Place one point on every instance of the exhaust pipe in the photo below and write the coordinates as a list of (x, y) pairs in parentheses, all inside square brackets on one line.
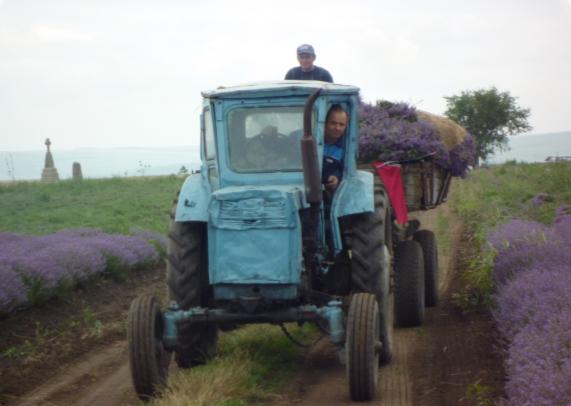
[(310, 164), (312, 181)]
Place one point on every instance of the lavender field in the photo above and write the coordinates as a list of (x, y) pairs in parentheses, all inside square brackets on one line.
[(54, 237), (35, 268), (520, 217), (532, 273)]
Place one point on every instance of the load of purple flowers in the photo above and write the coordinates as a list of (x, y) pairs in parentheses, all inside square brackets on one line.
[(532, 271), (395, 132), (33, 267)]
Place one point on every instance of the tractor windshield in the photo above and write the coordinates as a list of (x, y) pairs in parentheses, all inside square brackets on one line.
[(265, 139)]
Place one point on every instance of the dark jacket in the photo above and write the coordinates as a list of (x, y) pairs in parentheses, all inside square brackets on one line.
[(332, 161), (316, 74)]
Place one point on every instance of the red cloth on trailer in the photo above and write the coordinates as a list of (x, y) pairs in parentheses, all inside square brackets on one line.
[(392, 179)]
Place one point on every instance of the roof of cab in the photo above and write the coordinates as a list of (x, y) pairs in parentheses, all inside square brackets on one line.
[(281, 87)]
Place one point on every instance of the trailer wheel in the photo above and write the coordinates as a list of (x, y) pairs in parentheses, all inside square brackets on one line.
[(363, 343), (187, 280), (148, 359), (409, 281), (427, 241)]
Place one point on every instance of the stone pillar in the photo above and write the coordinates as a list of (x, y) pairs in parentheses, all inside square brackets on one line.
[(76, 171), (49, 173)]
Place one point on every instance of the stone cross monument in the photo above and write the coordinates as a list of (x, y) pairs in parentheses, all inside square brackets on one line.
[(49, 174)]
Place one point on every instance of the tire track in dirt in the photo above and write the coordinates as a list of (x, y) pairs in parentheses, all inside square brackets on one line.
[(79, 365), (101, 378), (323, 380)]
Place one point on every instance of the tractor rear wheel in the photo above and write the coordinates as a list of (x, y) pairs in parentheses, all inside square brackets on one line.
[(187, 280), (427, 241), (148, 359), (362, 346), (371, 264), (409, 281)]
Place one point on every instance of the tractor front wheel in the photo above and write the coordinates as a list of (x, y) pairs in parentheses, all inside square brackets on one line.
[(148, 358), (187, 280), (369, 234), (363, 346)]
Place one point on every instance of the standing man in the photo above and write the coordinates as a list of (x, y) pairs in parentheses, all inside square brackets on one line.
[(306, 69)]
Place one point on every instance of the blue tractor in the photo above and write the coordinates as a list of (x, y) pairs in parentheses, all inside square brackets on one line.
[(255, 239)]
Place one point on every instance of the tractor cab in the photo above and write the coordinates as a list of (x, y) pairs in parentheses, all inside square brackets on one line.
[(264, 228), (251, 134)]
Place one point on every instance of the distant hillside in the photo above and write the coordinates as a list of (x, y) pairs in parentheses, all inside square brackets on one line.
[(535, 148), (100, 162)]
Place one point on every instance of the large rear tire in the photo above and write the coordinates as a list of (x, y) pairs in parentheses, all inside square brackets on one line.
[(371, 265), (427, 241), (409, 281), (187, 280), (148, 359), (363, 341)]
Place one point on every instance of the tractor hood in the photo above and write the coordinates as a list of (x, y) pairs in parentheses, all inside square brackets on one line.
[(254, 238), (245, 207)]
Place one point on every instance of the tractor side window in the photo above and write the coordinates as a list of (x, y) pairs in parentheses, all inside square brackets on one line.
[(265, 139), (209, 143)]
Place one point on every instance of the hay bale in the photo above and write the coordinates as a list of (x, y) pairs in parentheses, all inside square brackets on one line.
[(451, 133)]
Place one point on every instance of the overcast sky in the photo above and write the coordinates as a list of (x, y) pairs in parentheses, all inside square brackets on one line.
[(103, 73)]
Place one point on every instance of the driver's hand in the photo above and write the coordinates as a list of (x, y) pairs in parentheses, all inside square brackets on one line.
[(332, 182)]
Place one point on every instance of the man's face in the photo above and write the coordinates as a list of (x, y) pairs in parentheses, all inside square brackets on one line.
[(335, 126), (306, 61)]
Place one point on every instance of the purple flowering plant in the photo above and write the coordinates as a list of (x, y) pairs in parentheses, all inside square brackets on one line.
[(34, 268), (462, 156), (393, 132), (532, 272)]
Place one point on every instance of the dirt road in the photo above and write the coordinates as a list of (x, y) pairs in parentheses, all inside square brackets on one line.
[(101, 378), (448, 361)]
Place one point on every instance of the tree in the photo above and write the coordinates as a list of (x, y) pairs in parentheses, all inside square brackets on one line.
[(490, 116)]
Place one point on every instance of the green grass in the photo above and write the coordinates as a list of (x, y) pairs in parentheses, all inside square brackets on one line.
[(479, 394), (114, 205), (81, 326), (492, 196), (253, 364), (443, 234)]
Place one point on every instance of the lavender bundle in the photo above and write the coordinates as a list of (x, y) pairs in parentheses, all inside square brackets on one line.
[(398, 132)]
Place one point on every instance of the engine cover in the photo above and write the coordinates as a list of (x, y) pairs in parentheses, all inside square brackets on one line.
[(254, 240)]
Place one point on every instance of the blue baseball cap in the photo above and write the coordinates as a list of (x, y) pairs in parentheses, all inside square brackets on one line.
[(305, 49)]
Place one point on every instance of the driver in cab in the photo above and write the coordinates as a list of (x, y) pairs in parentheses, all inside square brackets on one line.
[(333, 150)]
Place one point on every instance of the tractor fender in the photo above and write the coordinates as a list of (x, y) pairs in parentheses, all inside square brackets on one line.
[(193, 199), (356, 195)]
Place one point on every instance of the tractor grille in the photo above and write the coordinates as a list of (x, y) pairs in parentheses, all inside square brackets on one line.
[(255, 213)]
